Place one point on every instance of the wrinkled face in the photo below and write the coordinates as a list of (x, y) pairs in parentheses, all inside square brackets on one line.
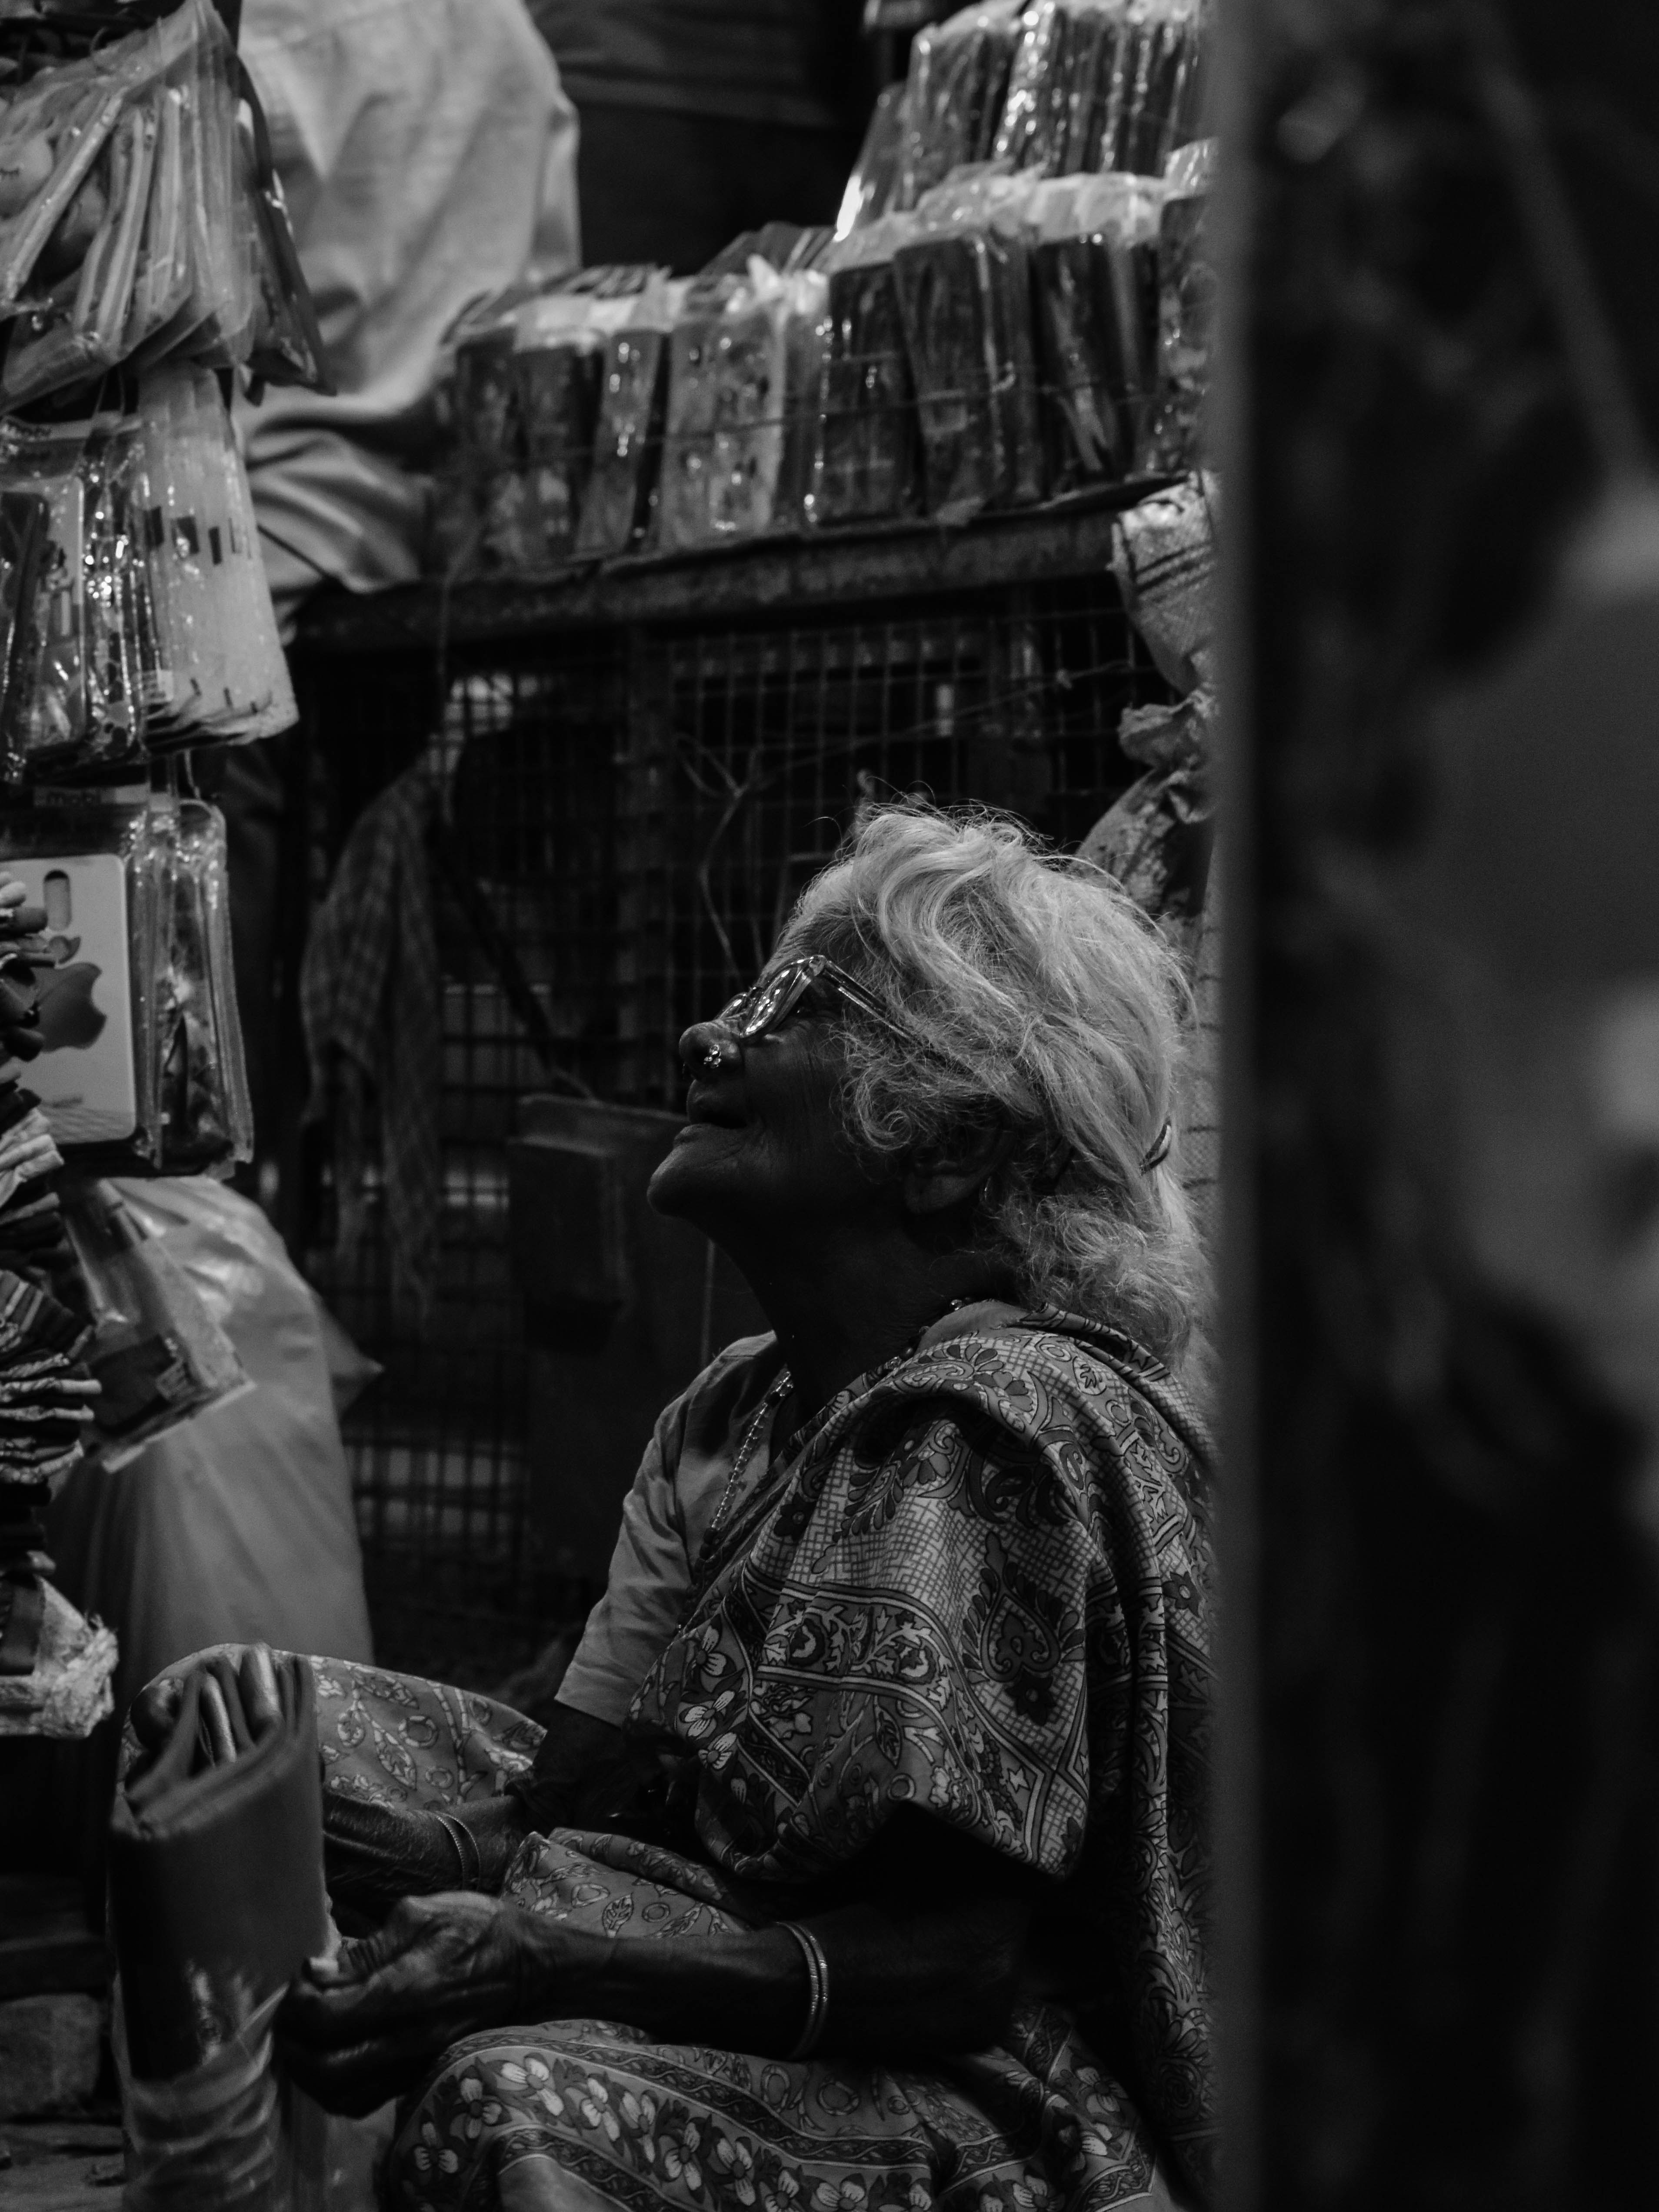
[(763, 1157)]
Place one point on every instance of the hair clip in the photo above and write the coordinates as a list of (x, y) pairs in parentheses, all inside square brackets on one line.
[(1160, 1150)]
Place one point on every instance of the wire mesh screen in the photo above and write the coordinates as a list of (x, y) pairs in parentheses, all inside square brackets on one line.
[(631, 813)]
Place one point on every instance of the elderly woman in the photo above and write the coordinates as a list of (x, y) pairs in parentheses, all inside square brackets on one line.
[(865, 1864)]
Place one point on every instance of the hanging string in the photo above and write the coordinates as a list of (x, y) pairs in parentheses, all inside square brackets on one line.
[(1588, 343)]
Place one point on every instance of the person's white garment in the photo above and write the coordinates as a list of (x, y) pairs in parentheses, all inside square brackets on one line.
[(428, 155)]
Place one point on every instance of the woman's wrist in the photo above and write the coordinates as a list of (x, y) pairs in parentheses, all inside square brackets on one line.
[(751, 1990)]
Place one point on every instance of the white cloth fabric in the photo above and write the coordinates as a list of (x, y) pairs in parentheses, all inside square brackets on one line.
[(428, 154), (675, 1497)]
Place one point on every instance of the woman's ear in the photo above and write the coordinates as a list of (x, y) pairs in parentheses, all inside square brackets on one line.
[(960, 1172)]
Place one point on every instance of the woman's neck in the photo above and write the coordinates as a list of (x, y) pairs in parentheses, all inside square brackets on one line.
[(842, 1309)]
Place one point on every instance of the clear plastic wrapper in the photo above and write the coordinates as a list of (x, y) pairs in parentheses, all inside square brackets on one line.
[(25, 536), (200, 1077), (156, 1353), (287, 341), (1187, 289), (865, 463), (953, 94), (742, 365), (524, 401), (1159, 88), (1094, 268), (1103, 84), (218, 670), (872, 189), (964, 293), (619, 510), (82, 630), (138, 221), (97, 962)]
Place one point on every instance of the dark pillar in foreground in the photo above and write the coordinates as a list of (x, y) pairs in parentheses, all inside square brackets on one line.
[(1448, 1105)]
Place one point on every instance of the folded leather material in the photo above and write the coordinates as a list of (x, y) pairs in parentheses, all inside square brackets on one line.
[(216, 1866)]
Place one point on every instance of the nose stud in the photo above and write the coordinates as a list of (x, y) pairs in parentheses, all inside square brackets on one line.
[(716, 1055)]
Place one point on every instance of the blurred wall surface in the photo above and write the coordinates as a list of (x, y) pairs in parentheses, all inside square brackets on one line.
[(1443, 980)]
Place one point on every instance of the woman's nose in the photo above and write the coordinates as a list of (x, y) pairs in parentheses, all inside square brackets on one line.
[(706, 1046)]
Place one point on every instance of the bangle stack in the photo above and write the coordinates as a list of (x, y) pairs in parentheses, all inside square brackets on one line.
[(817, 1978), (466, 1847)]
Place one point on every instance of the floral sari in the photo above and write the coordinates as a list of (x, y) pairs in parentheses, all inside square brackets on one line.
[(979, 1587)]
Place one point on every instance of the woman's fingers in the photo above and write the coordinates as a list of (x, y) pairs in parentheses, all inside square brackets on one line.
[(12, 892), (215, 1721), (260, 1699), (154, 1710)]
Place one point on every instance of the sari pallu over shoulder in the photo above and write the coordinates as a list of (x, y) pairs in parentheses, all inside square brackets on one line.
[(983, 1589)]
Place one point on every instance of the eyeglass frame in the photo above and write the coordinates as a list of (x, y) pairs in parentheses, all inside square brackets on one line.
[(792, 980), (810, 968)]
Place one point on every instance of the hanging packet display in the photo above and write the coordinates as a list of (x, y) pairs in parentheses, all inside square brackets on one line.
[(1094, 269), (82, 629), (220, 671), (25, 520), (964, 293), (865, 464), (137, 219), (200, 1081), (954, 93), (287, 343), (89, 871)]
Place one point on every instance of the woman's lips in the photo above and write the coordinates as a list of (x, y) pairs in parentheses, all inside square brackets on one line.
[(704, 1112)]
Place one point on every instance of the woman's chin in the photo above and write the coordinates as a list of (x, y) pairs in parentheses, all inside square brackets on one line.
[(688, 1176)]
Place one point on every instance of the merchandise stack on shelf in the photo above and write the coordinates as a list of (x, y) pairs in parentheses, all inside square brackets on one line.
[(987, 328), (146, 265)]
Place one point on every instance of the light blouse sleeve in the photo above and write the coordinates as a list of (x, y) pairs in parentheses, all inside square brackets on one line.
[(675, 1493)]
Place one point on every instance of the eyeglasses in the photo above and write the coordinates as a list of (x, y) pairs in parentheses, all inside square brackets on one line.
[(761, 1009)]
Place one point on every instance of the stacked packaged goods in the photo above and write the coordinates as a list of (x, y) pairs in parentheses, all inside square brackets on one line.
[(1016, 307)]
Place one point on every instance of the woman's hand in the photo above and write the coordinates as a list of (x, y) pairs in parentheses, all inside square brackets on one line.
[(363, 2026)]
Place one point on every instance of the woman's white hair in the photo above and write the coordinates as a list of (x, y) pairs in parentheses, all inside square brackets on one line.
[(1041, 1001)]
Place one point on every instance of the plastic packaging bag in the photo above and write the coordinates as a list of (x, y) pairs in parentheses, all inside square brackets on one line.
[(92, 870), (742, 362), (1185, 319), (865, 464), (201, 1078), (287, 343), (1103, 84), (551, 375), (954, 93), (138, 221), (238, 1527), (872, 189), (964, 294), (157, 1354), (80, 631), (623, 490), (1094, 266), (219, 670)]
